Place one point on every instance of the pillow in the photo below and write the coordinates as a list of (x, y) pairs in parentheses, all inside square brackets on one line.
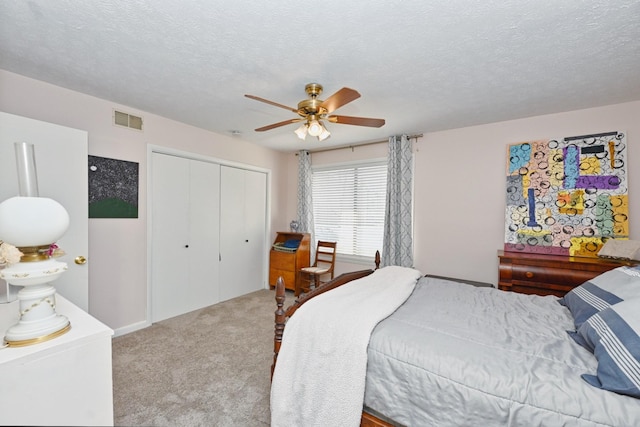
[(602, 291), (614, 336), (620, 249)]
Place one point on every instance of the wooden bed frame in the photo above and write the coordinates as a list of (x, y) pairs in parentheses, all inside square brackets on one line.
[(282, 314)]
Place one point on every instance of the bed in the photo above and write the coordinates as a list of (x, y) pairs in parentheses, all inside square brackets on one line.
[(453, 354)]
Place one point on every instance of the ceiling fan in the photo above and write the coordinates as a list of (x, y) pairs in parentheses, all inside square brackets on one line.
[(314, 111)]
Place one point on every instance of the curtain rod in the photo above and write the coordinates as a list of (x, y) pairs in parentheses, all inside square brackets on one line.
[(358, 145)]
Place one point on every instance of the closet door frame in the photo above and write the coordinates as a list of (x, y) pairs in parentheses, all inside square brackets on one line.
[(195, 156)]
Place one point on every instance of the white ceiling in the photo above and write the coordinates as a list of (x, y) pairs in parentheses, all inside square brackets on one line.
[(423, 65)]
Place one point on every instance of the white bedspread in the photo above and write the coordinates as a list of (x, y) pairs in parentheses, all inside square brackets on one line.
[(319, 378)]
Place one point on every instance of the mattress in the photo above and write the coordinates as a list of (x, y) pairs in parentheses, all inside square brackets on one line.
[(455, 355)]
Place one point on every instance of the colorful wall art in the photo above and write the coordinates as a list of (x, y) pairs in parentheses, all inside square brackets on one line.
[(113, 188), (566, 196)]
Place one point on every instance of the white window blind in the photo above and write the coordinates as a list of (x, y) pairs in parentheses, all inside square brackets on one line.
[(349, 207)]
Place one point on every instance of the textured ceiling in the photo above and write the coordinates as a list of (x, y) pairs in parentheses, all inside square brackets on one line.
[(421, 65)]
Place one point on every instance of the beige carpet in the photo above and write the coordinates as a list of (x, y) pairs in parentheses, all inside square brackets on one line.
[(210, 367)]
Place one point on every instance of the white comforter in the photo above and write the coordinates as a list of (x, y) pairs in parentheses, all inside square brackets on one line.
[(457, 355), (319, 378)]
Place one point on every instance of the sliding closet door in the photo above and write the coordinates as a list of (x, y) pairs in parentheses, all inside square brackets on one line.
[(204, 233), (185, 218), (242, 231)]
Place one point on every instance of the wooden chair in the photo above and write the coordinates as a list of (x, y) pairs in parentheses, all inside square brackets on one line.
[(323, 265)]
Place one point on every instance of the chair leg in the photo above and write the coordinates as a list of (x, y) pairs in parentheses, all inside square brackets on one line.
[(298, 283), (303, 284)]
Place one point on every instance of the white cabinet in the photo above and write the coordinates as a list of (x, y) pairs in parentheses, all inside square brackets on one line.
[(64, 381), (185, 235), (243, 201)]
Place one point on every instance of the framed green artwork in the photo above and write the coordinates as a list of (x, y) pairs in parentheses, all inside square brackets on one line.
[(113, 188)]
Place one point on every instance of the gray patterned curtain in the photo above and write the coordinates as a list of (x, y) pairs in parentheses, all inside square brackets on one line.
[(397, 244), (305, 201)]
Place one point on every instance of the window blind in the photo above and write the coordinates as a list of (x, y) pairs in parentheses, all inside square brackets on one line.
[(349, 207)]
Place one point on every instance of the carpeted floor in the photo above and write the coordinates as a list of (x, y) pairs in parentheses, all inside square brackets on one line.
[(210, 367)]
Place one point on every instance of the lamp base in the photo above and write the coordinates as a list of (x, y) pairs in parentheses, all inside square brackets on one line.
[(38, 320), (17, 334)]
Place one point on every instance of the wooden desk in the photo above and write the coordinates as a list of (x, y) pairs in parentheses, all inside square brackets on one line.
[(287, 264)]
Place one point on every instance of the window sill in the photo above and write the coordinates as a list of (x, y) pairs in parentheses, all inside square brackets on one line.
[(368, 261)]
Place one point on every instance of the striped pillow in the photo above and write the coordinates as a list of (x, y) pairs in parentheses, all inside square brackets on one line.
[(601, 292), (614, 337)]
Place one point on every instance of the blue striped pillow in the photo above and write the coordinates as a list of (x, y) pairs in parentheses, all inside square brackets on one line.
[(601, 292), (614, 337)]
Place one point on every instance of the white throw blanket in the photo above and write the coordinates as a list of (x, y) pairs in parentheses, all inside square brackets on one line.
[(319, 378)]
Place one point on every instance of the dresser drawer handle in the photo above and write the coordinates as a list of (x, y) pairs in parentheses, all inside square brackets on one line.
[(528, 274)]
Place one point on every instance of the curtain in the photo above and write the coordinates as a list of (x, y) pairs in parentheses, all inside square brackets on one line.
[(397, 242), (305, 201)]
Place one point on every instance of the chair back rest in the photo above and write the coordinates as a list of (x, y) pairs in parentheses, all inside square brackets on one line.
[(325, 255)]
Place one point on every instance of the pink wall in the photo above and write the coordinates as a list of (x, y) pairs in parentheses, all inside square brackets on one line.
[(118, 247), (460, 185)]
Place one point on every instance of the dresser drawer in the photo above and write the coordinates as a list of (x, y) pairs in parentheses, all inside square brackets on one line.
[(537, 288), (282, 260), (288, 276), (559, 276)]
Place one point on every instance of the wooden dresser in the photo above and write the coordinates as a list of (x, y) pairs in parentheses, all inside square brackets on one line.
[(287, 264), (549, 274)]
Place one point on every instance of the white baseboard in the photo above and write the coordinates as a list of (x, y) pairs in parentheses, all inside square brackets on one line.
[(131, 328)]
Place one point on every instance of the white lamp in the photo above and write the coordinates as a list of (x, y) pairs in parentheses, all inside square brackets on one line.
[(33, 224)]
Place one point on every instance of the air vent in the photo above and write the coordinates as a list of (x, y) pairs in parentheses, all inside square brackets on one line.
[(127, 120)]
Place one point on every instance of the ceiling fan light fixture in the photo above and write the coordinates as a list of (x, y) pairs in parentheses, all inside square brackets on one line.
[(302, 131), (314, 111), (315, 128), (324, 135)]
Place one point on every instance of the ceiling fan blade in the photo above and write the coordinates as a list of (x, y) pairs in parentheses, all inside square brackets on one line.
[(358, 121), (277, 125), (257, 98), (340, 98)]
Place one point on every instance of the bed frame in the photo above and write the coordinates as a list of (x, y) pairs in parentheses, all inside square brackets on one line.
[(282, 314)]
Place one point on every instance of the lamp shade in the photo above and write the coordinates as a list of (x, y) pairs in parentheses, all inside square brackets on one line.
[(324, 135), (302, 131), (32, 221), (315, 128)]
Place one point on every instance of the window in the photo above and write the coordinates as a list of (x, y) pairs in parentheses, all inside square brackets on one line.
[(349, 207)]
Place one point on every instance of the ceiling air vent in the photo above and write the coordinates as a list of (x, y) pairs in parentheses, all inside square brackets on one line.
[(127, 120)]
